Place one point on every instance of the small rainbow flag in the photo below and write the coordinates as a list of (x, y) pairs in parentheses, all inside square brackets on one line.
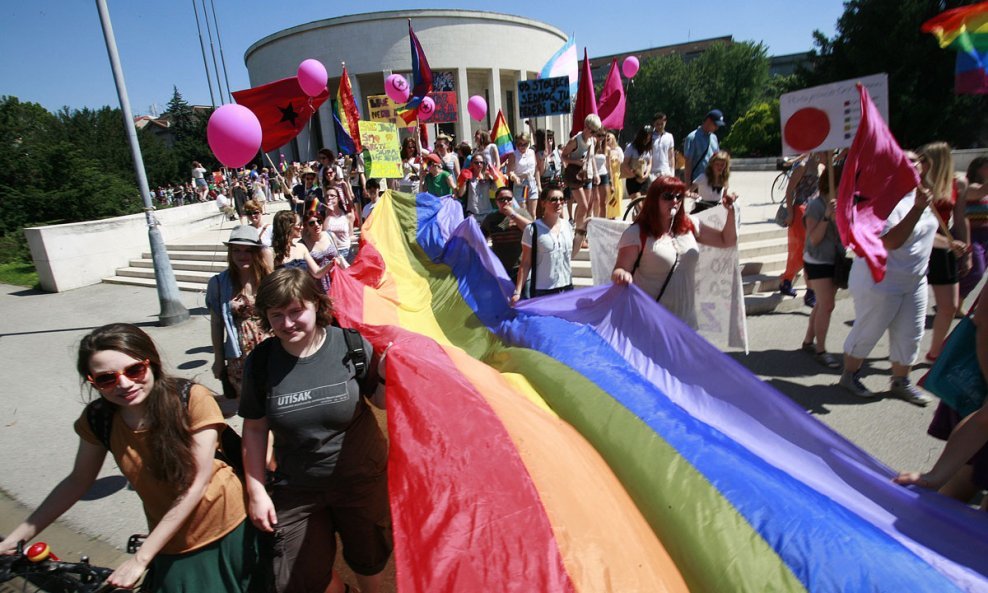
[(965, 30), (501, 136)]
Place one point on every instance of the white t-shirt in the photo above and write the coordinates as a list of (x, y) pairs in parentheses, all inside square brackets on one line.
[(198, 173), (524, 164), (266, 232), (368, 208), (656, 261), (552, 258), (906, 266), (707, 191), (660, 155), (338, 228)]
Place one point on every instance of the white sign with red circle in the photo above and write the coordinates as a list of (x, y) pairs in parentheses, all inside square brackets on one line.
[(826, 117)]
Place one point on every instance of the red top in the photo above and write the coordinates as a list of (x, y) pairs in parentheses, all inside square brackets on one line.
[(946, 207)]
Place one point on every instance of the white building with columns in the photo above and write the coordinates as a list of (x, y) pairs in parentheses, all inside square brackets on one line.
[(487, 53)]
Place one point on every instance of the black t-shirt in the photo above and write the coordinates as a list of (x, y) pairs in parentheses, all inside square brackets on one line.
[(505, 239), (323, 429)]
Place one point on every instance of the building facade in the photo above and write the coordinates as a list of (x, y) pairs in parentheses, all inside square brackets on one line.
[(476, 52)]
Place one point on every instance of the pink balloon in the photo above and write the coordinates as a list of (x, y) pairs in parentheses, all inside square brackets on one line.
[(312, 77), (396, 87), (630, 67), (426, 109), (234, 134), (477, 107)]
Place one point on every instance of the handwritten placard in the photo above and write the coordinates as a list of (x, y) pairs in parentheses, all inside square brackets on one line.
[(826, 117), (382, 151), (544, 96), (446, 109)]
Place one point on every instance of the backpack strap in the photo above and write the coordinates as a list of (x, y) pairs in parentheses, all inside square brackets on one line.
[(99, 415), (355, 352), (535, 259)]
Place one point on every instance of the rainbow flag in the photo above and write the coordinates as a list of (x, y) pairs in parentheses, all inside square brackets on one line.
[(501, 136), (591, 442), (421, 79), (965, 30), (348, 117)]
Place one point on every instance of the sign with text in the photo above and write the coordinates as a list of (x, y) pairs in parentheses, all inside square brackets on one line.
[(544, 96), (826, 117), (382, 151), (382, 109), (446, 109)]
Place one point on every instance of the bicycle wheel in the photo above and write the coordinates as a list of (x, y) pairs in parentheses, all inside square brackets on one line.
[(779, 186), (633, 209)]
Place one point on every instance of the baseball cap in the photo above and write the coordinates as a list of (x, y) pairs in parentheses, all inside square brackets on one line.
[(717, 116)]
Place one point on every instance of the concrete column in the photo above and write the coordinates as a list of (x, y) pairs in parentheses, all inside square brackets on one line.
[(462, 96), (495, 94), (358, 96), (327, 127), (522, 75)]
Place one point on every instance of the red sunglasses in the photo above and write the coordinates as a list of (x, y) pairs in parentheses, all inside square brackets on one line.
[(134, 372)]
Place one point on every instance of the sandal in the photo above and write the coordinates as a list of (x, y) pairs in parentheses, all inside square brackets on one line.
[(827, 359), (809, 348)]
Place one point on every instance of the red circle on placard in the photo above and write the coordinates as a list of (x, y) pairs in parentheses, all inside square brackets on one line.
[(807, 129)]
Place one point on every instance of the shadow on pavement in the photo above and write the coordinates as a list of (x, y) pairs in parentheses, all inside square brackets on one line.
[(28, 292), (816, 398), (72, 329), (104, 487), (192, 364)]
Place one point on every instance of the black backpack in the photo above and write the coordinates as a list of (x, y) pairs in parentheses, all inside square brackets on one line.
[(99, 414)]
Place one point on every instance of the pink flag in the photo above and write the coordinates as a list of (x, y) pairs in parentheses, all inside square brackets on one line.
[(876, 176), (586, 100), (610, 108)]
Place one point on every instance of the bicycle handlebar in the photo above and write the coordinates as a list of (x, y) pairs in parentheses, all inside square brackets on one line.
[(38, 566)]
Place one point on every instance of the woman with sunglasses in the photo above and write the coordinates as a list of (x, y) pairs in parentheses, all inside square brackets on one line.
[(235, 328), (289, 251), (318, 242), (444, 149), (339, 224), (552, 237), (308, 388), (165, 446), (660, 250)]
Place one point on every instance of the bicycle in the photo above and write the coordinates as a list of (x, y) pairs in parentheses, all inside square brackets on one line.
[(781, 182), (39, 568), (631, 212)]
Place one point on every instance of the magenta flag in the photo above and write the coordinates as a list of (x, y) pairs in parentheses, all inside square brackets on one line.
[(877, 174), (586, 99), (610, 108)]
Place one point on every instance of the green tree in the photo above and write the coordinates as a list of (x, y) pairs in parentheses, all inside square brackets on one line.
[(884, 36), (757, 132)]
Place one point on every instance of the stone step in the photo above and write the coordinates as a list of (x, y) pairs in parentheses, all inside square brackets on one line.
[(180, 275), (184, 255), (214, 267), (581, 269), (149, 282), (748, 250)]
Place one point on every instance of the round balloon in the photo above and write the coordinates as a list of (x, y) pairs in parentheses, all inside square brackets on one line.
[(234, 135), (630, 67), (396, 87), (477, 107), (426, 108), (312, 77)]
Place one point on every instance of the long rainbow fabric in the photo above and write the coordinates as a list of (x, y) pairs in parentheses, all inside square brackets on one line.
[(965, 30), (591, 442)]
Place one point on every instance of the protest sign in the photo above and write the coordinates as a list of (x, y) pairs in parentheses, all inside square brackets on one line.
[(446, 109), (544, 96), (382, 109), (826, 117), (382, 151)]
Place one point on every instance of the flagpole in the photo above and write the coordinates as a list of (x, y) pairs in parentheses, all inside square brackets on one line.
[(172, 309)]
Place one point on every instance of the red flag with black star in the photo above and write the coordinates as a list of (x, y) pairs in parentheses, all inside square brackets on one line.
[(282, 108)]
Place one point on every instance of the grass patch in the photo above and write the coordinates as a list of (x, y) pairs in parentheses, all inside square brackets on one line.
[(19, 274)]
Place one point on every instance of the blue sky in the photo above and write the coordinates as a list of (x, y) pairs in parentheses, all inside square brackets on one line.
[(54, 52)]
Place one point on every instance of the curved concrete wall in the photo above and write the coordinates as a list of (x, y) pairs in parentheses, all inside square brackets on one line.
[(487, 52)]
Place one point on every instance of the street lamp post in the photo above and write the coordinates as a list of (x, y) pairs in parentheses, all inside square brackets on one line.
[(172, 309)]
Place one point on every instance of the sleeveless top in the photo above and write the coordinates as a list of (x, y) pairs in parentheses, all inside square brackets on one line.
[(946, 207), (524, 164)]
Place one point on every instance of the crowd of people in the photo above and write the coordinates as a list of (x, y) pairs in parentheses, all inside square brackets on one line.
[(313, 455)]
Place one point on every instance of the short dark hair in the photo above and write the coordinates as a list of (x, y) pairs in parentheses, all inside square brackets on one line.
[(504, 189), (551, 187), (659, 115), (287, 285), (373, 183)]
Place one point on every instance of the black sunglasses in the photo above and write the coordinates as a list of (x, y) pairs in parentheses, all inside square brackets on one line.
[(672, 197), (504, 200), (313, 222)]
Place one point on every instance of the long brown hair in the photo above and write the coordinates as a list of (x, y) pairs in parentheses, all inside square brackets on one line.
[(258, 268), (649, 217), (169, 436), (281, 235)]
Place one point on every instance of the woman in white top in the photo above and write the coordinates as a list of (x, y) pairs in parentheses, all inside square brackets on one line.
[(581, 174), (339, 226), (553, 250), (523, 172), (548, 161), (711, 185), (659, 252), (482, 143)]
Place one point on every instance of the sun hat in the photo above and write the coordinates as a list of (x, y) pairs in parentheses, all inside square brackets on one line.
[(244, 234)]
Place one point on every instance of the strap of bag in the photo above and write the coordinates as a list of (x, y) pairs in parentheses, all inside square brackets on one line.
[(668, 277), (355, 351), (535, 254), (641, 250)]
